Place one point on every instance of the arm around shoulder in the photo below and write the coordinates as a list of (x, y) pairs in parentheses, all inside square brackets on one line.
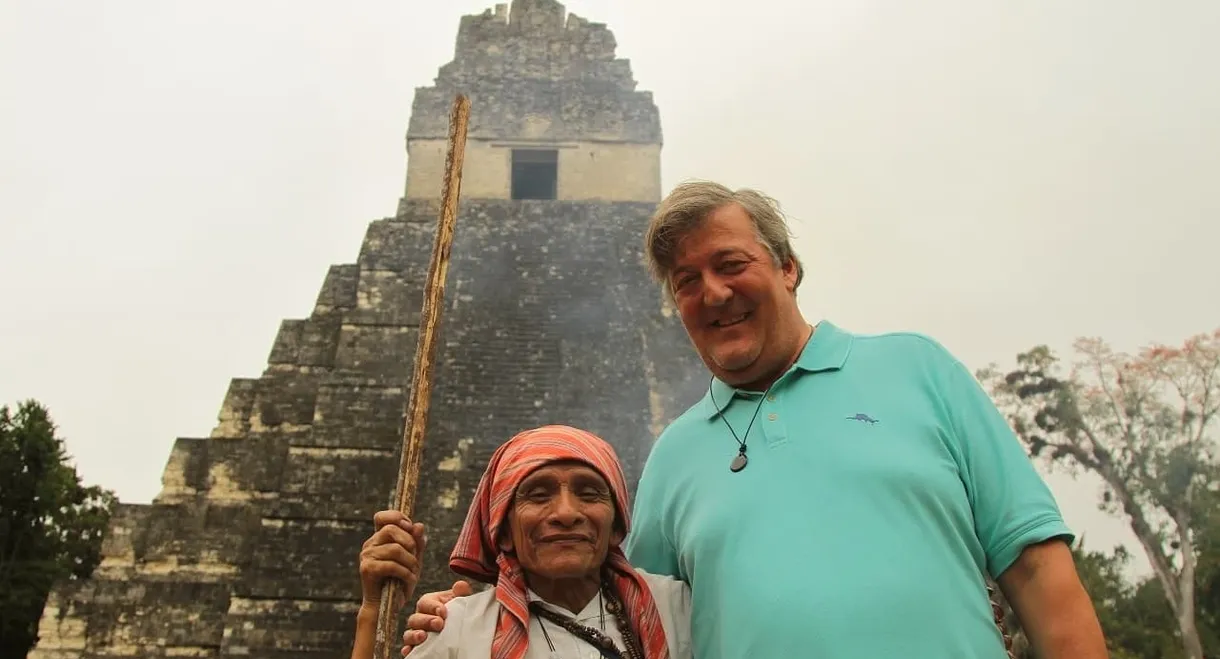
[(648, 546), (447, 643)]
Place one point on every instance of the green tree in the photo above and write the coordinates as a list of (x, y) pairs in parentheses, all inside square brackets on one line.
[(1136, 621), (1134, 617), (1207, 590), (1146, 425), (51, 525)]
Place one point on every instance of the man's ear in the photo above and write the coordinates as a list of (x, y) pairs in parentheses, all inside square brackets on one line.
[(791, 271), (505, 542)]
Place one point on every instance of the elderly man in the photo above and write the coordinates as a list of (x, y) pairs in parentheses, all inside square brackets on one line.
[(833, 495), (544, 527)]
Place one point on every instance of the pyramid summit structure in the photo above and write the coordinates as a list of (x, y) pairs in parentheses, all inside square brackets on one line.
[(250, 548)]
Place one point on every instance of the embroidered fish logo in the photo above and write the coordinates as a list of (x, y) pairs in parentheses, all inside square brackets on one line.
[(864, 418)]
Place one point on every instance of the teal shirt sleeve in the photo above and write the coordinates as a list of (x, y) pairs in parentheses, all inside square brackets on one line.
[(648, 546), (1013, 506)]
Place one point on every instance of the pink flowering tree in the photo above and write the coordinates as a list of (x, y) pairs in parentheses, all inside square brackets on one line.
[(1147, 425)]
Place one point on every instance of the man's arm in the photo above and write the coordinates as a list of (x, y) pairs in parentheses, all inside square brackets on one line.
[(648, 546), (430, 614), (1045, 592), (391, 553), (1018, 522), (366, 633)]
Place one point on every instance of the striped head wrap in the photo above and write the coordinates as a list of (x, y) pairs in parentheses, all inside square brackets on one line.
[(477, 554)]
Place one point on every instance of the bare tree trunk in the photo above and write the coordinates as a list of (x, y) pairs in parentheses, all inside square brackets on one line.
[(1147, 538), (1179, 588), (1186, 586), (1190, 637)]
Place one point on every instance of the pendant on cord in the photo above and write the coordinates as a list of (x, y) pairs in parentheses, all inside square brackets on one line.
[(739, 462)]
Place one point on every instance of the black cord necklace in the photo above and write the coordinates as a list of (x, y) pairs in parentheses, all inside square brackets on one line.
[(741, 460)]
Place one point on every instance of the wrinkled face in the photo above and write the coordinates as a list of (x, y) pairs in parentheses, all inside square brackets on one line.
[(561, 522), (738, 306)]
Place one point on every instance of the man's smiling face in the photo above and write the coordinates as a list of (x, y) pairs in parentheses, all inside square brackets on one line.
[(735, 302), (561, 523)]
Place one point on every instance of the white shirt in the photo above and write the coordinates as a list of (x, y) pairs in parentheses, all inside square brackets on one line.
[(471, 625)]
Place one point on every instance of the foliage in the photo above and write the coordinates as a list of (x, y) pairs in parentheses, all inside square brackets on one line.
[(51, 525), (1135, 618), (1146, 425)]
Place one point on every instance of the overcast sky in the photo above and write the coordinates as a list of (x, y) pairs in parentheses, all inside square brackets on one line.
[(176, 177)]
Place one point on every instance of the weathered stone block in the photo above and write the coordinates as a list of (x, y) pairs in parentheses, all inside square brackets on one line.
[(310, 343), (338, 290), (205, 538), (185, 472), (332, 475), (357, 416), (402, 245), (234, 417), (63, 629), (308, 507), (384, 353), (387, 297), (118, 548), (576, 113), (147, 618), (287, 342), (283, 629), (284, 402), (305, 559), (244, 469)]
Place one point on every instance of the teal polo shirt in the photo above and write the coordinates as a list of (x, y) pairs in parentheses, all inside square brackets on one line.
[(882, 485)]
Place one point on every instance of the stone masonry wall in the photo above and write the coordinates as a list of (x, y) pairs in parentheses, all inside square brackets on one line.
[(529, 61), (251, 547), (539, 77)]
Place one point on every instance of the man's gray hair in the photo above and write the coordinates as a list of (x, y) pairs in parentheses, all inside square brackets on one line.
[(691, 202)]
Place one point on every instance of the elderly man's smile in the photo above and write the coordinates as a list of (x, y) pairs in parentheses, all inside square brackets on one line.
[(566, 539)]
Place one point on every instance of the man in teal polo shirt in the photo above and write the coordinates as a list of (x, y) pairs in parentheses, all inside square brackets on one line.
[(833, 495), (881, 485)]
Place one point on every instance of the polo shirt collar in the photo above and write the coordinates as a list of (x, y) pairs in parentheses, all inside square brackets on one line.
[(827, 350)]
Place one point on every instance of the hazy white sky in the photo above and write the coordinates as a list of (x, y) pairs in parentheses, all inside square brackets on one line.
[(175, 177)]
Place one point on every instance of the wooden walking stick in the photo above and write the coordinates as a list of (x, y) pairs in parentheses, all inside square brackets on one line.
[(416, 419)]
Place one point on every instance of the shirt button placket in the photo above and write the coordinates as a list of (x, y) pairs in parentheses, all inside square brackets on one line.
[(773, 430)]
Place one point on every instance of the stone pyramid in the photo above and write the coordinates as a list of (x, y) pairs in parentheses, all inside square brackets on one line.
[(251, 547)]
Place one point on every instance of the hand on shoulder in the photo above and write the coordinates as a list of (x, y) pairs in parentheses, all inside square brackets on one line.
[(430, 615)]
